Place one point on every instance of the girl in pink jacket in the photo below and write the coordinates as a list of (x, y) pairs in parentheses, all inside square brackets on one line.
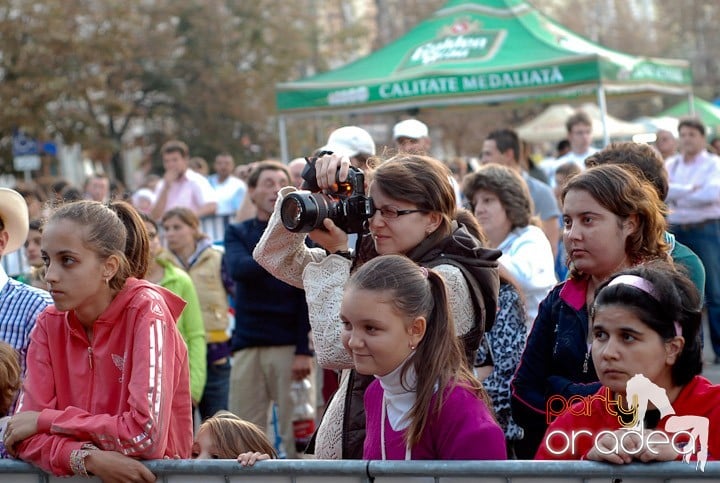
[(107, 371)]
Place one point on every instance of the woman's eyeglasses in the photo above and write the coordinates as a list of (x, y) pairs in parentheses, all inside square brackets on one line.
[(389, 213)]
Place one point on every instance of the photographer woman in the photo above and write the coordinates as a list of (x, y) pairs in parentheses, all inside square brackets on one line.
[(415, 215)]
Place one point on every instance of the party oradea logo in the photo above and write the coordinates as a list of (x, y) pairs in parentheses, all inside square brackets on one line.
[(687, 435)]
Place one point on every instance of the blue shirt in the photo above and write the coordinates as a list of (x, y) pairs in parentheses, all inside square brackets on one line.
[(20, 306)]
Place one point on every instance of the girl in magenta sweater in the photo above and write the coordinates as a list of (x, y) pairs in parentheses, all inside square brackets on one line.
[(425, 403)]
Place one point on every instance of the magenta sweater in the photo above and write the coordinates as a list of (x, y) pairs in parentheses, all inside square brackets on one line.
[(464, 430)]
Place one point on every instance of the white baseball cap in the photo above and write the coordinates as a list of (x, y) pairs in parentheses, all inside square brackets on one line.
[(410, 128), (14, 215), (350, 141)]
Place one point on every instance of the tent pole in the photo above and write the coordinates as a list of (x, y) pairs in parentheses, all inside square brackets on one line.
[(691, 102), (602, 103), (282, 128)]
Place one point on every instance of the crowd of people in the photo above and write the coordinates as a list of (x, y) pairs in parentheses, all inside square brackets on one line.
[(471, 314)]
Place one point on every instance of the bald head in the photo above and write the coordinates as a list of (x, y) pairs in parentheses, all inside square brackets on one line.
[(666, 143), (296, 167)]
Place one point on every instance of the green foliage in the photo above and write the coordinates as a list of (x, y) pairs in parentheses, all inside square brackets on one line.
[(200, 70)]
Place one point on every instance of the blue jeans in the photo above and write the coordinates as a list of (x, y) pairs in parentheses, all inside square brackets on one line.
[(703, 239), (217, 389)]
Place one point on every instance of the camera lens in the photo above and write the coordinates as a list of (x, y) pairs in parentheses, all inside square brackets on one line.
[(303, 212)]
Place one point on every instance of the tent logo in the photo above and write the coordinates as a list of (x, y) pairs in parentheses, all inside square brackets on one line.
[(460, 41)]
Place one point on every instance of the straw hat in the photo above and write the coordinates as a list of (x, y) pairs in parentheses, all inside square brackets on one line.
[(14, 215)]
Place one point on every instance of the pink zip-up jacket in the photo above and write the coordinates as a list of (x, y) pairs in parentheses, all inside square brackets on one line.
[(127, 391)]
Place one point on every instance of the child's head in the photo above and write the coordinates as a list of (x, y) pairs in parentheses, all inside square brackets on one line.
[(225, 436), (9, 376), (32, 244), (646, 320), (395, 310), (153, 235), (88, 245)]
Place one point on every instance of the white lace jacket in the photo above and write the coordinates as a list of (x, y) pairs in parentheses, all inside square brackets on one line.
[(285, 255)]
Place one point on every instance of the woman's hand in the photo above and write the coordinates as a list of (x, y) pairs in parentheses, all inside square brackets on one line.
[(249, 458), (332, 238), (326, 170), (21, 425), (657, 449), (608, 449), (111, 467)]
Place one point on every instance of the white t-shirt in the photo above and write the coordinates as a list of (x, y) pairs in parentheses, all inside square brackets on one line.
[(528, 257)]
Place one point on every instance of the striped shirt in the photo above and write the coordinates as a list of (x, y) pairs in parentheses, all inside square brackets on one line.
[(20, 306)]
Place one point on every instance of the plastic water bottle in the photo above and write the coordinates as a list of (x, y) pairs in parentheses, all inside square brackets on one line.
[(303, 413)]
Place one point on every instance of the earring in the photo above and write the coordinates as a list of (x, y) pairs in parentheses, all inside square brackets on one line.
[(412, 347)]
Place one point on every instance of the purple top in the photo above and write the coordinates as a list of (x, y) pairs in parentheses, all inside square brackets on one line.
[(464, 430)]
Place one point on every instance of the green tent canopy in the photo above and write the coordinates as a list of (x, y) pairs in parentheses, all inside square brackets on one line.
[(707, 112), (475, 52), (496, 49)]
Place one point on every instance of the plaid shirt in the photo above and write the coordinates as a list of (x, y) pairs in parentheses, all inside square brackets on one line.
[(20, 306)]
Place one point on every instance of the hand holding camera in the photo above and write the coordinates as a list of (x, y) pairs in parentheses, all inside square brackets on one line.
[(337, 192), (331, 169)]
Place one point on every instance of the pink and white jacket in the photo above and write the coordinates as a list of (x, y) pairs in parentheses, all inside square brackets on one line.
[(127, 391)]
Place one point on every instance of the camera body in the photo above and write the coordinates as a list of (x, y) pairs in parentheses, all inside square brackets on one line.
[(346, 204)]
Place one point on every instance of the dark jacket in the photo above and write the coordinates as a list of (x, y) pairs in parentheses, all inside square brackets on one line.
[(556, 360), (268, 312)]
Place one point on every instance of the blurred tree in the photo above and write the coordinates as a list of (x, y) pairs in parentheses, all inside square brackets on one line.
[(101, 72), (201, 70)]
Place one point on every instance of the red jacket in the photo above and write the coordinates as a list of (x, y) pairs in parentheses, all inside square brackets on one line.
[(699, 397), (127, 391)]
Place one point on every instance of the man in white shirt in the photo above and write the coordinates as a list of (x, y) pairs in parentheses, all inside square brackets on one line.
[(579, 129), (182, 186), (230, 189), (694, 202)]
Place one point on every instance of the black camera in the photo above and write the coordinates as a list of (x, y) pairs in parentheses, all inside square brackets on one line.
[(345, 204)]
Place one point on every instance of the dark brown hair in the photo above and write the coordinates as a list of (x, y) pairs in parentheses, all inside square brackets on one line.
[(508, 186), (506, 139), (692, 122), (111, 229), (646, 161), (422, 181), (175, 146), (674, 299), (439, 359), (624, 194)]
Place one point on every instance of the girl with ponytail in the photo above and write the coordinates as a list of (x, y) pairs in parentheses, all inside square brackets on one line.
[(107, 378), (425, 403)]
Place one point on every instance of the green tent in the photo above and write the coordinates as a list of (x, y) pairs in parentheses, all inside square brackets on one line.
[(708, 113), (474, 52)]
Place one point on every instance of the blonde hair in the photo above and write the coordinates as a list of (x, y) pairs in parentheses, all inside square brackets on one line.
[(232, 435), (9, 376)]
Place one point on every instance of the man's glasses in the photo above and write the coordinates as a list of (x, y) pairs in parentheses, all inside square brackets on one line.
[(390, 213)]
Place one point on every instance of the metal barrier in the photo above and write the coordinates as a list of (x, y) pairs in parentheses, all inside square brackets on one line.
[(312, 471)]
